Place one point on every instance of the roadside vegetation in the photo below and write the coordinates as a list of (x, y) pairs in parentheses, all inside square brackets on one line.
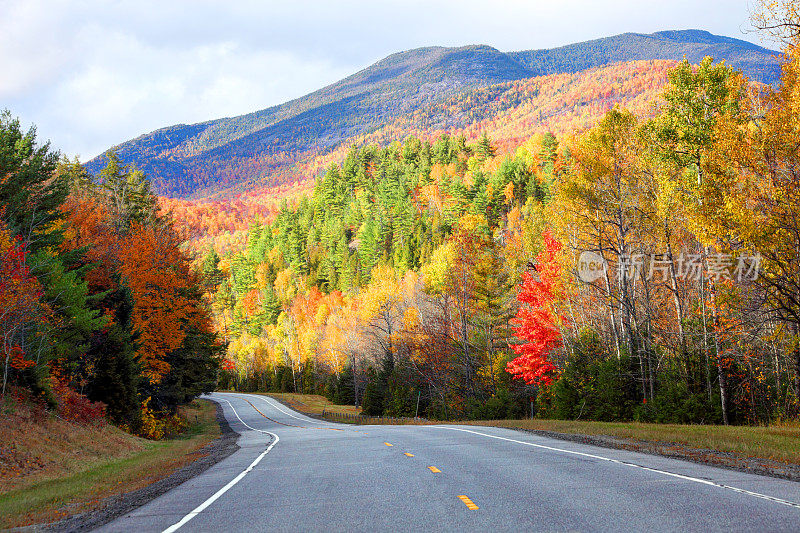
[(104, 333), (101, 312), (52, 468)]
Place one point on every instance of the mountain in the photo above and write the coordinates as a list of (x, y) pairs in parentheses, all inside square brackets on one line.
[(758, 63), (511, 113), (272, 147)]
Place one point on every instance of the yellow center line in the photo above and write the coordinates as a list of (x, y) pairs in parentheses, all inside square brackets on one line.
[(272, 419), (471, 506), (434, 470), (386, 443), (409, 454)]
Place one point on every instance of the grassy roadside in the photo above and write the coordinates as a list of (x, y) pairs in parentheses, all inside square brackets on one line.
[(777, 443), (128, 463)]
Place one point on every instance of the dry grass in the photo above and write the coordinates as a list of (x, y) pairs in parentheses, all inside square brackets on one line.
[(36, 446), (67, 469), (779, 442)]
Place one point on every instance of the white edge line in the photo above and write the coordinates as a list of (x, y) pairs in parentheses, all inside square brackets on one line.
[(199, 509), (274, 404), (626, 463)]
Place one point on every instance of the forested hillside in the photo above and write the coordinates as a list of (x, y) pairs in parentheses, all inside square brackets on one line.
[(440, 271), (257, 149), (510, 112), (229, 156)]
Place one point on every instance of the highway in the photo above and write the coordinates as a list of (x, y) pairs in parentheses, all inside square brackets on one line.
[(295, 473)]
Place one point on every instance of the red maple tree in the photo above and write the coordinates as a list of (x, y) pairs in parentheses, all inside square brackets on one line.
[(536, 323)]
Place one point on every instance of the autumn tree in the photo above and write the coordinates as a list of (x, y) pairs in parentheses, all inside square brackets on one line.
[(696, 101), (607, 207), (760, 206), (107, 371), (32, 193), (154, 269), (22, 312), (778, 18), (537, 323)]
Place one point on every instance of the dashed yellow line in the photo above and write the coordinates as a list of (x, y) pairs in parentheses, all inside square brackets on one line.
[(434, 470), (386, 443), (409, 454), (471, 506)]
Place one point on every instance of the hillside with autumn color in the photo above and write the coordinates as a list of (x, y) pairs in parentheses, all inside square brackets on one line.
[(277, 147), (509, 112), (446, 276), (514, 111)]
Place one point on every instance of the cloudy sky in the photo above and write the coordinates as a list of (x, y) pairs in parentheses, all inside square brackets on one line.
[(91, 74)]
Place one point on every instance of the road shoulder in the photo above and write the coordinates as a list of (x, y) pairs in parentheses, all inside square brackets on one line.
[(116, 506), (720, 459)]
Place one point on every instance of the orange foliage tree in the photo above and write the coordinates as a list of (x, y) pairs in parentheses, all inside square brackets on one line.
[(158, 275)]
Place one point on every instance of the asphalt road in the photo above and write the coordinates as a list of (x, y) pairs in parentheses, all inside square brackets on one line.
[(294, 473)]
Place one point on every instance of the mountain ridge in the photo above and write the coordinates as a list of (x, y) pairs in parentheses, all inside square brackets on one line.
[(668, 44), (263, 147)]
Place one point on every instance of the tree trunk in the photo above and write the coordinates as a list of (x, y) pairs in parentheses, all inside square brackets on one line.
[(796, 353), (5, 371), (723, 382), (676, 297), (355, 382), (705, 330), (612, 318), (723, 386)]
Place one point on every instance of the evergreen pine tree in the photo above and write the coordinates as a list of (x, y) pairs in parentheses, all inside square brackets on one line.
[(209, 270), (484, 149), (30, 197)]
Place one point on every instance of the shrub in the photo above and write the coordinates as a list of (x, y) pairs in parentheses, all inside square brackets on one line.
[(498, 407), (343, 394), (372, 401), (157, 426), (76, 407), (674, 404), (592, 385)]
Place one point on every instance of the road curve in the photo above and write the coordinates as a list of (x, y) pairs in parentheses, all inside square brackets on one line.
[(294, 473)]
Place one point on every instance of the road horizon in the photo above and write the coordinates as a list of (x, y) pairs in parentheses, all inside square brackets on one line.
[(296, 473)]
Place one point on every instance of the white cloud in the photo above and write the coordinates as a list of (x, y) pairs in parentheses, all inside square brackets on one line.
[(93, 74)]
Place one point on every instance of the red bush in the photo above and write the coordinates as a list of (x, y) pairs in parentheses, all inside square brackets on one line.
[(76, 407)]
